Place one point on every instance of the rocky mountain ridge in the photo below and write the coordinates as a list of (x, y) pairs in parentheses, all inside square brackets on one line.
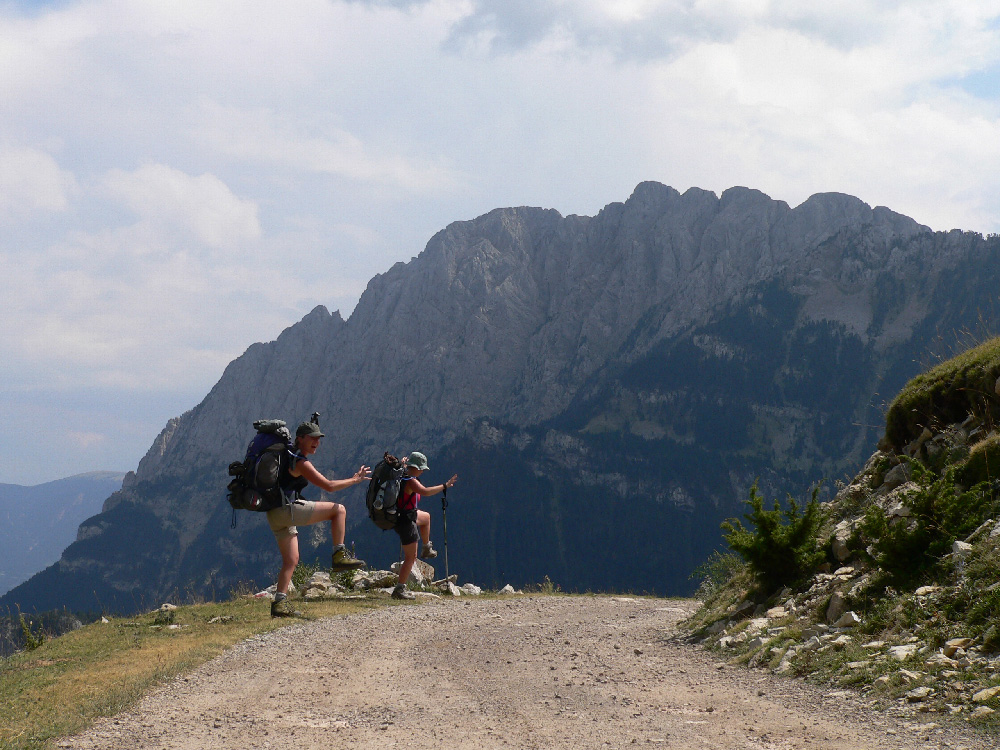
[(594, 381)]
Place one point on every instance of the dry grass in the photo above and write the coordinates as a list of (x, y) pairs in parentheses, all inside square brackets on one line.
[(103, 668)]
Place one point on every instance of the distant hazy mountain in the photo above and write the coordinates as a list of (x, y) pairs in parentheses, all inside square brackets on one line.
[(606, 387), (37, 523)]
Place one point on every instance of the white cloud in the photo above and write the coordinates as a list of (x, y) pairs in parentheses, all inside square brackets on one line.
[(85, 440), (262, 136), (178, 180), (168, 200), (31, 180)]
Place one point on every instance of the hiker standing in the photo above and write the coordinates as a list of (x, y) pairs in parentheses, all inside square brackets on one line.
[(294, 476), (414, 524)]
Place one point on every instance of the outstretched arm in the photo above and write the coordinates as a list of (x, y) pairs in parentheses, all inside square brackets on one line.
[(434, 488), (311, 474)]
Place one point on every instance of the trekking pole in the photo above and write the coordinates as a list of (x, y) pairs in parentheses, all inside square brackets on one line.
[(444, 518)]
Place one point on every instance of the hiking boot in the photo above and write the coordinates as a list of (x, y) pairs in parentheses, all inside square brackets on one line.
[(400, 592), (284, 608), (428, 552), (342, 560)]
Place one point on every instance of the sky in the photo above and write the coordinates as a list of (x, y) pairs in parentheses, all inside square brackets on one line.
[(181, 179)]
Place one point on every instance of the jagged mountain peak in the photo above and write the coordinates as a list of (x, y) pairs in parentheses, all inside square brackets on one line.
[(657, 355)]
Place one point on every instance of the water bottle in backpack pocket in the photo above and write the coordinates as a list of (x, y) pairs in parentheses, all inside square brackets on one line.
[(383, 491)]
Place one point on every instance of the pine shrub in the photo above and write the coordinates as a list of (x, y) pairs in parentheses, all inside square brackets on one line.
[(781, 545)]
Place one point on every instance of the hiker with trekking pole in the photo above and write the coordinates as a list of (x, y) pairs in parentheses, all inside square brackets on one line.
[(414, 524)]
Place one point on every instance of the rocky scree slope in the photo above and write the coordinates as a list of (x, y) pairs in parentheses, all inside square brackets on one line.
[(906, 604), (607, 388)]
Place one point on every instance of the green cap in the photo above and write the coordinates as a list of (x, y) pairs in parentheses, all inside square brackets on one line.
[(308, 429), (418, 461)]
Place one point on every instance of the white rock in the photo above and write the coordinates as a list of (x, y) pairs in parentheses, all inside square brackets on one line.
[(450, 588), (420, 574), (471, 588), (320, 577), (902, 653), (961, 550), (508, 589), (847, 620)]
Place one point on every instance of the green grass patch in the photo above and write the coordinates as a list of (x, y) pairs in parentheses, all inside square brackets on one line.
[(947, 394), (61, 686)]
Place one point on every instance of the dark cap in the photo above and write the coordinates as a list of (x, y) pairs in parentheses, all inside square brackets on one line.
[(308, 429)]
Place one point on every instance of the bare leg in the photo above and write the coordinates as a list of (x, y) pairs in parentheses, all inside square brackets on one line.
[(409, 556), (336, 514), (424, 526), (289, 548)]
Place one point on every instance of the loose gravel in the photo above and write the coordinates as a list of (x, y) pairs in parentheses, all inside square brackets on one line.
[(521, 672)]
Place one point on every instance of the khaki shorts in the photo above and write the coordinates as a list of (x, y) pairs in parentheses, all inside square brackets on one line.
[(284, 520)]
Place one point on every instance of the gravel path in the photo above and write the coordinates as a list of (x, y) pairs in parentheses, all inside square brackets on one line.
[(524, 672)]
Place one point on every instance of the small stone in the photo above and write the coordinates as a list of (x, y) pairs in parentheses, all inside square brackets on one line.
[(940, 660), (951, 647), (836, 607), (985, 695), (847, 620), (918, 694), (961, 550), (902, 653)]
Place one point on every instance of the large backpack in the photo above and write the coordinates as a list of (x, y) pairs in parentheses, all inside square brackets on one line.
[(255, 479), (383, 491)]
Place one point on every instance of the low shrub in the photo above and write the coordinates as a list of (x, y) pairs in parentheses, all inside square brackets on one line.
[(909, 550), (781, 545), (719, 569)]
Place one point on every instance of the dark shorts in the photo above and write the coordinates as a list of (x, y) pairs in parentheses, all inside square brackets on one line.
[(406, 527)]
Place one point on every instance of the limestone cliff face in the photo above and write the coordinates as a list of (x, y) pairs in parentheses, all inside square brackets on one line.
[(671, 348)]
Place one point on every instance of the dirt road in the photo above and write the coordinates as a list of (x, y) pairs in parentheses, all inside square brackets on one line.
[(524, 672)]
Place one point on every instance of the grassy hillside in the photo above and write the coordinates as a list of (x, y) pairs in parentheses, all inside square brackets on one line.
[(893, 587)]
